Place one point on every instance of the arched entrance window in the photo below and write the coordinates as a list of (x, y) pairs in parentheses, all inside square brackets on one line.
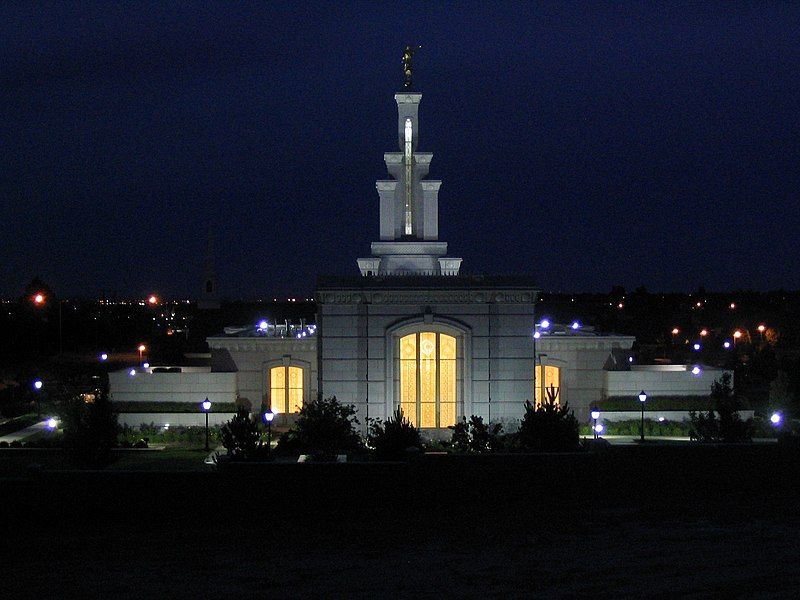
[(547, 376), (286, 389), (428, 378)]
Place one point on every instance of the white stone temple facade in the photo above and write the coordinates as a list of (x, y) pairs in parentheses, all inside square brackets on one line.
[(413, 331)]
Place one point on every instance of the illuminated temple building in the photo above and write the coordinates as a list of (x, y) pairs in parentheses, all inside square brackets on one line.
[(409, 330)]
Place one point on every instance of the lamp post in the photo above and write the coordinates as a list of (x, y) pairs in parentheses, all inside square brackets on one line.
[(595, 416), (642, 399), (37, 386), (268, 416), (206, 406), (141, 350)]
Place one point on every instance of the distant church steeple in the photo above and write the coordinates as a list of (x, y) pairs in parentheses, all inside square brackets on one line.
[(409, 206), (209, 298)]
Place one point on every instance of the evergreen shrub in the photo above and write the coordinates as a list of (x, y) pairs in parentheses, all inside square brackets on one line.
[(324, 429), (549, 427), (394, 439)]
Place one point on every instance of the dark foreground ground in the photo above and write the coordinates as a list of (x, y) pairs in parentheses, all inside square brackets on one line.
[(657, 522)]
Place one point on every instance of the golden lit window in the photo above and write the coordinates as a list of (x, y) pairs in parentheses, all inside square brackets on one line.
[(428, 378), (286, 389), (547, 376)]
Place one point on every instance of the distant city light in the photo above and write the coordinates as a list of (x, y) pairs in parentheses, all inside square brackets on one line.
[(737, 334), (696, 347), (675, 331), (142, 348), (38, 384), (153, 300), (620, 305), (699, 304), (761, 328), (38, 299), (544, 324), (51, 423), (696, 370), (132, 372), (775, 419), (726, 344), (575, 325), (732, 306), (104, 357), (704, 332)]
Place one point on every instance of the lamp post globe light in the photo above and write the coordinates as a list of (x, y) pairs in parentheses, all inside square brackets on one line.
[(206, 406), (595, 416), (642, 400), (268, 416)]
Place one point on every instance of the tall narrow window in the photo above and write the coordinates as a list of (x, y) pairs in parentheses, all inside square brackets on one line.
[(286, 389), (547, 377), (428, 378), (409, 188)]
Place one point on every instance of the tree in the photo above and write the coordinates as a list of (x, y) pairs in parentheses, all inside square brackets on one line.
[(549, 427), (240, 436), (90, 430), (324, 428), (729, 427), (395, 438), (474, 435)]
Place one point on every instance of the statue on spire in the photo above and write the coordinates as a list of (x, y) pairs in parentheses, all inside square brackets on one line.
[(408, 55)]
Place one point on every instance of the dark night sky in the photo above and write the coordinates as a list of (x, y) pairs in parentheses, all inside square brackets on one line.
[(589, 145)]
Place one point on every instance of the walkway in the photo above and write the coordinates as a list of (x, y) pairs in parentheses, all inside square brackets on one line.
[(24, 433)]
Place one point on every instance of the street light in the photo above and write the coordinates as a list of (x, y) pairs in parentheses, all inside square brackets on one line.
[(642, 399), (40, 299), (141, 349), (736, 335), (104, 357), (37, 385), (268, 416), (775, 419), (206, 406), (595, 416), (761, 328)]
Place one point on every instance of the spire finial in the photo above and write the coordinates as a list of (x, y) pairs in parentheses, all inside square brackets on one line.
[(408, 55)]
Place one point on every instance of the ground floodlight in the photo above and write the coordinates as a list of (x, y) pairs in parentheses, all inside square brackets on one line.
[(544, 324), (104, 357), (696, 370), (775, 418), (146, 365), (38, 384), (537, 335), (132, 372), (51, 423)]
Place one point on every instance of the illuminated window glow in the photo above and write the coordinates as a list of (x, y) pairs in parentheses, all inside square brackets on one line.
[(286, 389), (547, 376), (428, 379)]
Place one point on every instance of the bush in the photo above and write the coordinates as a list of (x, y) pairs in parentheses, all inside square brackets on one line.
[(193, 436), (549, 427), (324, 428), (241, 437), (729, 427), (474, 435), (90, 430), (393, 439)]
